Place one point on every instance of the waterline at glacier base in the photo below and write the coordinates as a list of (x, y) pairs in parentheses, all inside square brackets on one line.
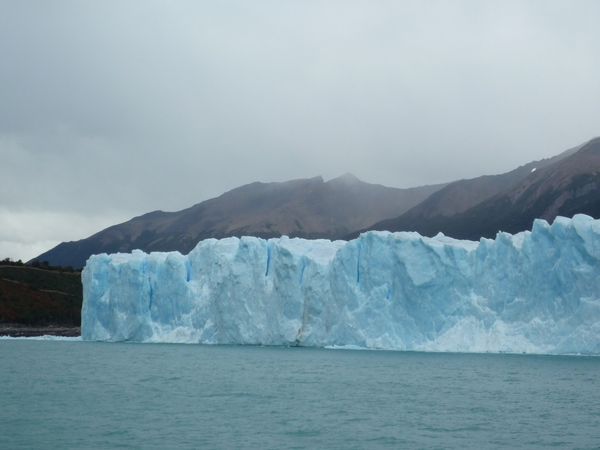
[(533, 292)]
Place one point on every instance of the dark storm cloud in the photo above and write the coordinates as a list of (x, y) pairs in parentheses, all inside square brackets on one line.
[(110, 109)]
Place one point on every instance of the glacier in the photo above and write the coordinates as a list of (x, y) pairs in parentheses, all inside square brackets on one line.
[(533, 292)]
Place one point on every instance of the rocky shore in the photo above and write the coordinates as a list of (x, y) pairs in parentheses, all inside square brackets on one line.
[(19, 330)]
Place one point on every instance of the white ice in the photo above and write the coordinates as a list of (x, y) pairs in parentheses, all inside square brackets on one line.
[(534, 292)]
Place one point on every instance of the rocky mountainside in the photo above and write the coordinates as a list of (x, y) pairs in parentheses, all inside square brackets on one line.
[(308, 208), (461, 195), (564, 185)]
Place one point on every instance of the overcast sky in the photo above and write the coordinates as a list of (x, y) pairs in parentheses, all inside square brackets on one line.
[(110, 109)]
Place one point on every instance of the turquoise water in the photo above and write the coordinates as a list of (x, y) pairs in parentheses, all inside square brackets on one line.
[(84, 395)]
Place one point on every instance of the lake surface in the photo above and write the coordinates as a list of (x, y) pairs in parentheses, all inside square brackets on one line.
[(87, 395)]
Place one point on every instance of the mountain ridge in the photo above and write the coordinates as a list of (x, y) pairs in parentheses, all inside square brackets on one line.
[(343, 207), (309, 208), (548, 190)]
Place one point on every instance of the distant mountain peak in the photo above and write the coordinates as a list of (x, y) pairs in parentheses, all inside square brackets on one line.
[(347, 178)]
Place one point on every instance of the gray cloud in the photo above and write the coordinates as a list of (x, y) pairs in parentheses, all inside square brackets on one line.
[(112, 109)]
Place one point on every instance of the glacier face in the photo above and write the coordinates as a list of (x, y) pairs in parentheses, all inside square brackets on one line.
[(534, 292)]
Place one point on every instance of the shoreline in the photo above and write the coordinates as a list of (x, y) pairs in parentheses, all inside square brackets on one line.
[(20, 330)]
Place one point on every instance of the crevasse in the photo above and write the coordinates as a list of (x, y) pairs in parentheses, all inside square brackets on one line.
[(534, 292)]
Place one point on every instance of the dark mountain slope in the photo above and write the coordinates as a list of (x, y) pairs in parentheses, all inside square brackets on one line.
[(461, 195), (304, 208), (336, 208), (565, 187)]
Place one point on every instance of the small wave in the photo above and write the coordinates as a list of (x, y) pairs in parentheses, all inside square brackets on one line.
[(346, 347)]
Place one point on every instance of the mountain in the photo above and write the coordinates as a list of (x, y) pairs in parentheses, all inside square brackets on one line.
[(470, 209), (459, 196), (308, 208)]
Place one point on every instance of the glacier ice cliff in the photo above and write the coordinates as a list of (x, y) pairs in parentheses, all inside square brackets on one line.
[(534, 292)]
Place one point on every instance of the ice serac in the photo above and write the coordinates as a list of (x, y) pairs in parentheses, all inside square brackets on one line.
[(534, 292)]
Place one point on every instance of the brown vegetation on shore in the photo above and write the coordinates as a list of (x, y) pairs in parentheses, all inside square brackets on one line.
[(36, 300)]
